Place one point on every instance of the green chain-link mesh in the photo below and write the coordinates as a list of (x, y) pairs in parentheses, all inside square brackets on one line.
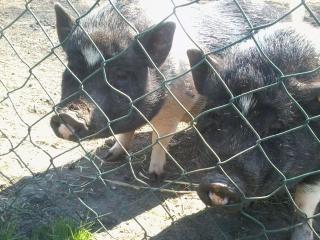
[(12, 147)]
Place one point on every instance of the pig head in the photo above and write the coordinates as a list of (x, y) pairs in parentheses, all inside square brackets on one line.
[(261, 121)]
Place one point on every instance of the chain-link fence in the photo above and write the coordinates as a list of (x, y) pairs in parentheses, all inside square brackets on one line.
[(43, 177)]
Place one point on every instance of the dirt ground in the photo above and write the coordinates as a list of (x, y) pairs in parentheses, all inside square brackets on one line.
[(43, 177)]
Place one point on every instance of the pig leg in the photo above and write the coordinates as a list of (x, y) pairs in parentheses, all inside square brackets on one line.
[(307, 197), (116, 150), (165, 122), (158, 155)]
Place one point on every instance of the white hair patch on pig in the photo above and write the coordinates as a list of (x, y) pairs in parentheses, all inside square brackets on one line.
[(246, 102), (91, 55), (307, 197)]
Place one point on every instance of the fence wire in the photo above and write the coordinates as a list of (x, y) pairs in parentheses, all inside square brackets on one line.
[(42, 177)]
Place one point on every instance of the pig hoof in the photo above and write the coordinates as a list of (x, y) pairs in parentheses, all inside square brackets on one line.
[(111, 155), (115, 152), (155, 172), (108, 155), (156, 177)]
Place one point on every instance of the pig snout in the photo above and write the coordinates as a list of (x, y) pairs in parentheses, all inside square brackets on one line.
[(69, 124), (217, 193)]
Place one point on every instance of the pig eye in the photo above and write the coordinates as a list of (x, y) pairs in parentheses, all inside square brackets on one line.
[(122, 76), (76, 59), (209, 121), (276, 126), (74, 56)]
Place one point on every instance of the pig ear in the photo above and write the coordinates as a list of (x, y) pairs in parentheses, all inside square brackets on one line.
[(200, 73), (64, 22), (158, 42)]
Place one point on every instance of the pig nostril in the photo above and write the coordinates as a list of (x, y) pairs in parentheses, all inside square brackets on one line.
[(55, 121), (67, 125), (217, 194), (73, 107), (218, 199)]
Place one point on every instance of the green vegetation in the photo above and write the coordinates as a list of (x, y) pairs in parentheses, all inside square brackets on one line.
[(61, 229), (8, 232)]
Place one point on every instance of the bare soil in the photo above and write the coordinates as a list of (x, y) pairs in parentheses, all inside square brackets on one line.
[(43, 177)]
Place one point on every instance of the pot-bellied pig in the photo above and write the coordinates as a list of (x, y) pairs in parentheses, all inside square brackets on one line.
[(114, 84), (261, 121)]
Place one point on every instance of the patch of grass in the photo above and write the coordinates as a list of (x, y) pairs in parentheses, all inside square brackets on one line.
[(8, 231), (63, 229)]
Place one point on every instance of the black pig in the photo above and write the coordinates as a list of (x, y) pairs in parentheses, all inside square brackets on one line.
[(252, 161), (104, 96)]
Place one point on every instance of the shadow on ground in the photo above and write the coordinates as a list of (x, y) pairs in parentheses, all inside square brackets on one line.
[(110, 193), (213, 224), (85, 190)]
